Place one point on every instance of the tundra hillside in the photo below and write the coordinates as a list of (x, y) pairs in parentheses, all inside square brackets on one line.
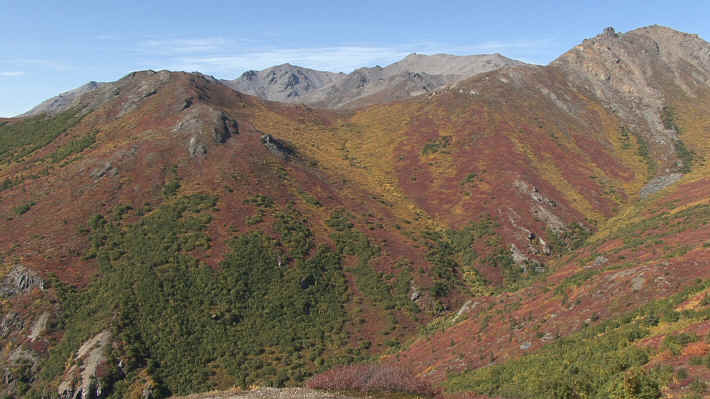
[(512, 230)]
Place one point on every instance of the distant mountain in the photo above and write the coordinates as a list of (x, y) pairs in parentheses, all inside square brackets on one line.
[(284, 83), (414, 75), (450, 65)]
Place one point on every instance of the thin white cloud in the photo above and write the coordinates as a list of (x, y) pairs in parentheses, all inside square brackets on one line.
[(107, 37), (35, 62), (338, 59), (11, 74), (228, 58), (520, 44), (183, 46)]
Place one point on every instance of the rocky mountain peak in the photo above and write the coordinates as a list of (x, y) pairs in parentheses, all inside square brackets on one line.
[(630, 72), (285, 82)]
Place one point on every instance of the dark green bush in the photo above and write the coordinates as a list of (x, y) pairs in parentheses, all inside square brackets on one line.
[(24, 208), (26, 136), (74, 147), (179, 319)]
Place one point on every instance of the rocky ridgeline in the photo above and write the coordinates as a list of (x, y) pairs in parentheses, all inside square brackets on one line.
[(414, 75), (630, 72)]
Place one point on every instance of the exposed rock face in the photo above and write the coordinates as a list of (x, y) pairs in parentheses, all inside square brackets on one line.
[(205, 125), (659, 183), (518, 256), (415, 294), (541, 207), (195, 148), (553, 222), (65, 100), (225, 128), (11, 323), (107, 169), (132, 90), (39, 326), (277, 147), (638, 282), (21, 364), (145, 86), (414, 75), (79, 380), (630, 72), (19, 280), (598, 261), (534, 193), (467, 307)]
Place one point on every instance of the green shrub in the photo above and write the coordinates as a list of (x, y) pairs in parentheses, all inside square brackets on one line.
[(684, 155), (676, 343), (598, 362), (171, 188), (260, 201), (437, 145), (294, 231), (24, 208), (179, 319), (74, 147)]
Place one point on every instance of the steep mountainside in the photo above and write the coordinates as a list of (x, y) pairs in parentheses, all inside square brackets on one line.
[(639, 74), (414, 75), (165, 234)]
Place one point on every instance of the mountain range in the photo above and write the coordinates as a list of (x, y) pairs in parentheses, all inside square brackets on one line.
[(445, 225), (414, 75)]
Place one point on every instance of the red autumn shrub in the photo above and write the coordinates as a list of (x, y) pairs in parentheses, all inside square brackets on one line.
[(371, 378)]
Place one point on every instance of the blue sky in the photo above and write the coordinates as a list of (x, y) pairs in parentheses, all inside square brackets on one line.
[(52, 46)]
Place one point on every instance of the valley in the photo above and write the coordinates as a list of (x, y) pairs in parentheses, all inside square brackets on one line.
[(459, 227)]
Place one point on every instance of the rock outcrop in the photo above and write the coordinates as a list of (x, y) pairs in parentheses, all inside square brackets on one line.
[(278, 147), (659, 183), (11, 323), (79, 381), (18, 281), (205, 126), (66, 100)]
